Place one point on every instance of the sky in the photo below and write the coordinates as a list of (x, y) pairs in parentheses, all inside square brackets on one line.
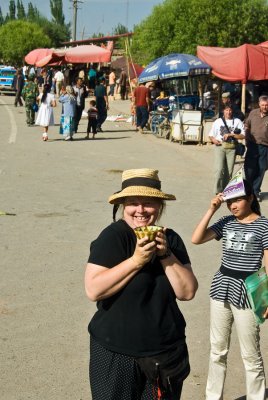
[(94, 16)]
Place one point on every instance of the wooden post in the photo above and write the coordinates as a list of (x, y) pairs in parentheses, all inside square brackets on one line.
[(128, 69), (201, 96)]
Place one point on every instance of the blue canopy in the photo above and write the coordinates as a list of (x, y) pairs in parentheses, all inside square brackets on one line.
[(174, 65)]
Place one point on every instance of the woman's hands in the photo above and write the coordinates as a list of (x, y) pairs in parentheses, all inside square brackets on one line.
[(145, 250), (202, 233), (161, 243)]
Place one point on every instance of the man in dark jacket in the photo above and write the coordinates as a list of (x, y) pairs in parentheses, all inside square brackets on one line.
[(81, 93), (17, 85)]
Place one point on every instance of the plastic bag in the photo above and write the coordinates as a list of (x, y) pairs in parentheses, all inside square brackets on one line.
[(257, 290)]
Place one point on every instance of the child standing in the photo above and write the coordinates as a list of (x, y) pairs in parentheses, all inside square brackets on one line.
[(92, 115)]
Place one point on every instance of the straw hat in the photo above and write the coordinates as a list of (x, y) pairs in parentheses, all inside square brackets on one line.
[(140, 182)]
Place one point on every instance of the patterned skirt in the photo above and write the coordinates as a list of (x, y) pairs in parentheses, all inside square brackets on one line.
[(66, 125)]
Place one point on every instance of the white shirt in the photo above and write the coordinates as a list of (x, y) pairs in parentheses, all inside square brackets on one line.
[(219, 129), (59, 77)]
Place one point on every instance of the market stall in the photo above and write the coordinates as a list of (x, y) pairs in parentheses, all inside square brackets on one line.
[(177, 72), (241, 64)]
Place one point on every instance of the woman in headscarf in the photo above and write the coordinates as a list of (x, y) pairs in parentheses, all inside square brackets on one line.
[(68, 100)]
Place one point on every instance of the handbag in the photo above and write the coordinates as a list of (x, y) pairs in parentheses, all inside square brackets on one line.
[(166, 367), (257, 291), (35, 107), (228, 144), (240, 149)]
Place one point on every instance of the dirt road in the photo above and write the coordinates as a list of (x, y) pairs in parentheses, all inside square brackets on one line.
[(58, 191)]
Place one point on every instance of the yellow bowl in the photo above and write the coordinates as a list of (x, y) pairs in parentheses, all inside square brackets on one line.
[(149, 231)]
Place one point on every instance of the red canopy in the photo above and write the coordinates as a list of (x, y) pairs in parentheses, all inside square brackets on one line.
[(87, 54), (37, 54), (74, 55), (245, 63)]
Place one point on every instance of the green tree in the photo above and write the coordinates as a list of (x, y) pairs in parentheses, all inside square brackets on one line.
[(1, 17), (12, 9), (32, 13), (181, 25), (20, 10), (18, 38), (57, 12), (119, 29), (57, 33), (98, 35)]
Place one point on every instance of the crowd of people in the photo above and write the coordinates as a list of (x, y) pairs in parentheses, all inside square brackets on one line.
[(41, 89), (71, 87), (143, 354)]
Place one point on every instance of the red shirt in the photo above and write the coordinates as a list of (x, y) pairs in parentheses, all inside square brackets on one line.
[(141, 93)]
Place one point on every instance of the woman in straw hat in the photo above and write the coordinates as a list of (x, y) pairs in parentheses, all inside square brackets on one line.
[(137, 346)]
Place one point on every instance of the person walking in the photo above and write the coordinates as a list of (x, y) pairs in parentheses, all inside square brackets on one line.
[(58, 80), (224, 134), (92, 77), (123, 84), (68, 101), (136, 282), (45, 116), (29, 94), (18, 85), (256, 160), (81, 93), (141, 97), (102, 103), (245, 243), (112, 79)]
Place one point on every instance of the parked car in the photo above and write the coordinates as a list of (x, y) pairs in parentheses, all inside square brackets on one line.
[(6, 77)]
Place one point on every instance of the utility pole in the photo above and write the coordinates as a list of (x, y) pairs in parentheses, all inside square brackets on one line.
[(75, 7), (127, 14)]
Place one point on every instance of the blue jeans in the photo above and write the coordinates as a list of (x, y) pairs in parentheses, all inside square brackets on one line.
[(256, 163), (142, 114)]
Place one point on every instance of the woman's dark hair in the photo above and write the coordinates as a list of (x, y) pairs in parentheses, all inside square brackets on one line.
[(46, 90), (255, 205)]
